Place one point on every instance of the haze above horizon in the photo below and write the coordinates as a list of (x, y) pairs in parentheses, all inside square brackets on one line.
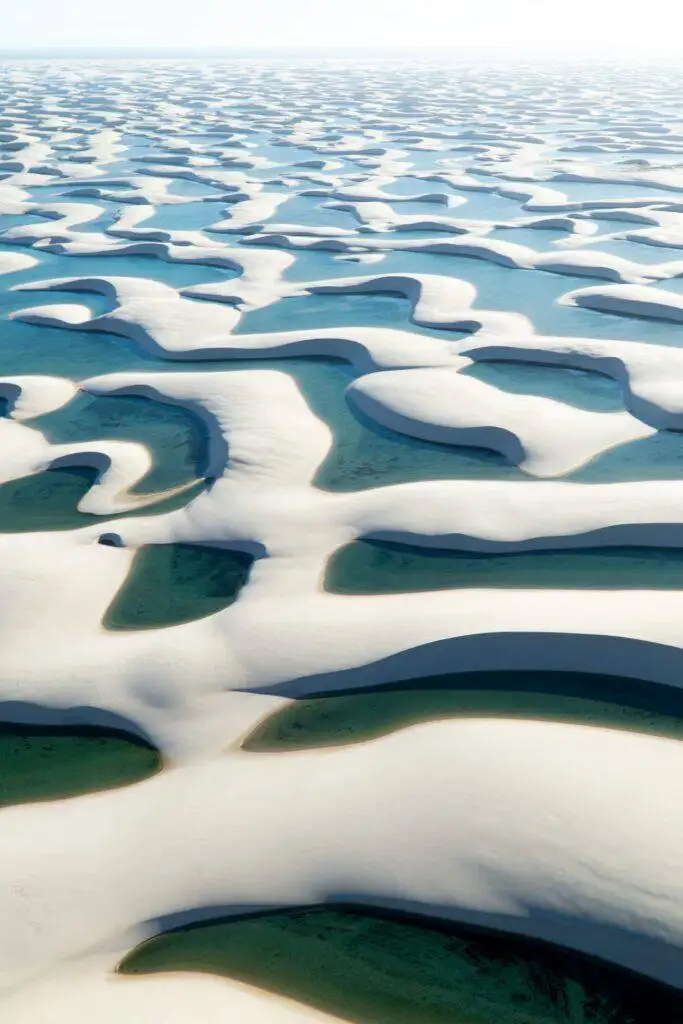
[(612, 26)]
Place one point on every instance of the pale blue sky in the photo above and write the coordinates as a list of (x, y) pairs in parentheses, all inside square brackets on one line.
[(621, 25)]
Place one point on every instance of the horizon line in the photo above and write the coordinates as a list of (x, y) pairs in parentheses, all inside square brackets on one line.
[(310, 49)]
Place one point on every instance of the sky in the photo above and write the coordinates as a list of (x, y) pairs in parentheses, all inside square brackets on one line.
[(625, 27)]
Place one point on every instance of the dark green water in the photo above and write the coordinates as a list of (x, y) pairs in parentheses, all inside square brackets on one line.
[(49, 500), (371, 969), (173, 583), (176, 438), (380, 567), (47, 763), (611, 702)]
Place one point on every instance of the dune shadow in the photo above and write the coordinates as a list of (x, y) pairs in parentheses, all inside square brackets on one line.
[(353, 716)]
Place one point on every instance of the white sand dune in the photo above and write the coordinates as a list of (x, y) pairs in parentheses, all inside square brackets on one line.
[(651, 376), (629, 300), (544, 437), (25, 451), (591, 842), (570, 834), (76, 994)]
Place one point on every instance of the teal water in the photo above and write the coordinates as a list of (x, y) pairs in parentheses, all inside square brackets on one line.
[(185, 216), (539, 239), (12, 220), (318, 265), (364, 453), (638, 252), (592, 190), (675, 285), (580, 388), (27, 348), (187, 187), (113, 264), (306, 210), (478, 205), (659, 457), (534, 293), (313, 311)]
